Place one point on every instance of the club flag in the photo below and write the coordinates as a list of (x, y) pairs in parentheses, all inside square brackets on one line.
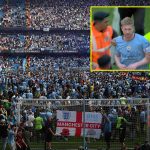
[(70, 123)]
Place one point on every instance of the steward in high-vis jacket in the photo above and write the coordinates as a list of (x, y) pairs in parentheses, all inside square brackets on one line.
[(101, 36)]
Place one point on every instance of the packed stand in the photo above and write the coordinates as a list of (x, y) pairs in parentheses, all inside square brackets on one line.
[(50, 14), (47, 73), (129, 3), (12, 42), (51, 42), (64, 42), (70, 15), (67, 77), (13, 16), (116, 85), (68, 18)]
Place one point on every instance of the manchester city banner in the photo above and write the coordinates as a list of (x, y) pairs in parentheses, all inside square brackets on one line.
[(70, 123)]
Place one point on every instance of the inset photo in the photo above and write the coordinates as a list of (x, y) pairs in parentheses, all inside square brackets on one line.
[(119, 38)]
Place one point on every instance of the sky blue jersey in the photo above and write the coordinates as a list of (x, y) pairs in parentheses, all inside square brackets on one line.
[(132, 51)]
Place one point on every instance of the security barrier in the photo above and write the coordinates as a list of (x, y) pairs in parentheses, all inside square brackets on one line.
[(136, 112)]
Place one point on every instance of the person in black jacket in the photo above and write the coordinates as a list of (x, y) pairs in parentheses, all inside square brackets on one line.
[(145, 146), (4, 133), (122, 134), (49, 132)]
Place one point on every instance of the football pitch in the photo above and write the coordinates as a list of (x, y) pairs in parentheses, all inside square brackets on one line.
[(73, 143)]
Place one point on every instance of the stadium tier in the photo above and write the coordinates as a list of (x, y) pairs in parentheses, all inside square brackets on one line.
[(64, 14), (56, 42)]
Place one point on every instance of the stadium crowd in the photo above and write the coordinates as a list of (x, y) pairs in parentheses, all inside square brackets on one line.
[(44, 71), (56, 42), (53, 77), (12, 42), (55, 14), (69, 78), (64, 15), (64, 77), (12, 16), (129, 3), (63, 42)]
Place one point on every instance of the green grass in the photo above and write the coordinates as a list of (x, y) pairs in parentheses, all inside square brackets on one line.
[(147, 21), (74, 143)]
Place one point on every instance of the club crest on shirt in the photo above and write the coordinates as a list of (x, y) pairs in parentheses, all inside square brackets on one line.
[(128, 47)]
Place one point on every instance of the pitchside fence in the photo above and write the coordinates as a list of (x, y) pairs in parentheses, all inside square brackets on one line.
[(137, 113)]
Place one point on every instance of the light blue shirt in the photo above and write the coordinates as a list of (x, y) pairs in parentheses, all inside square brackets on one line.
[(132, 51), (11, 137), (107, 127)]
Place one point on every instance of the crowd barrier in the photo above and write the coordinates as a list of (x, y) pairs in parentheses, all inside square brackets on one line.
[(137, 132)]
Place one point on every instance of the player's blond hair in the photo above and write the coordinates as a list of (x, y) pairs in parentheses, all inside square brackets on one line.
[(127, 21)]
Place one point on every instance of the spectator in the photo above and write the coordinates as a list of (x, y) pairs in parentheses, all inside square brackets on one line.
[(107, 131), (122, 134), (145, 146), (11, 137), (20, 142), (29, 124), (4, 133), (142, 120), (38, 126), (49, 133)]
